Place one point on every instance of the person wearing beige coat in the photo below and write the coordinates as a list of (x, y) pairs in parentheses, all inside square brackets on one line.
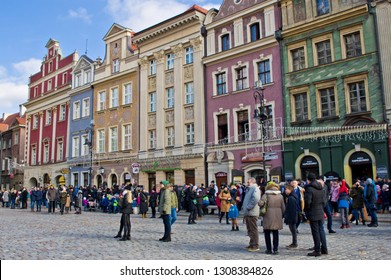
[(225, 198), (272, 221)]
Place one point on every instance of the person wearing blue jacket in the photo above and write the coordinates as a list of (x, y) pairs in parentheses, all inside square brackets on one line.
[(370, 196), (291, 214)]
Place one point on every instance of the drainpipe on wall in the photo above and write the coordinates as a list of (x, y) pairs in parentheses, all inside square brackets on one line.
[(204, 34)]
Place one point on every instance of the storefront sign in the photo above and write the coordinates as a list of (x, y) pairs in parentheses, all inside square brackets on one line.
[(309, 162), (135, 168), (253, 157), (382, 172), (288, 176), (221, 174), (360, 158)]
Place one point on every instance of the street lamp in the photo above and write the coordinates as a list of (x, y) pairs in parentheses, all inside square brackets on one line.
[(260, 115), (88, 142)]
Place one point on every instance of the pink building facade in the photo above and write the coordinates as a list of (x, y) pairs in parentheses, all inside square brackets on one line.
[(242, 51)]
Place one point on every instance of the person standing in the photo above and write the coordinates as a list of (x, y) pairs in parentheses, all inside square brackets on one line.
[(370, 195), (272, 221), (225, 198), (79, 202), (291, 214), (192, 206), (153, 202), (165, 211), (315, 200), (126, 209), (6, 198), (52, 194), (357, 195), (143, 195), (63, 199), (174, 204), (251, 213)]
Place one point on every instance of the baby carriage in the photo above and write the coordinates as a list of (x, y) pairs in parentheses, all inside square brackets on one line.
[(91, 205)]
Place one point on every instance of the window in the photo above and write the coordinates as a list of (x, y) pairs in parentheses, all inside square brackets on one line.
[(46, 153), (152, 67), (16, 138), (152, 102), (322, 7), (170, 97), (127, 137), (76, 146), (75, 179), (34, 156), (225, 42), (327, 102), (101, 141), (48, 120), (298, 59), (36, 91), (78, 80), (63, 111), (189, 55), (84, 148), (189, 92), (115, 65), (221, 84), (243, 128), (352, 44), (222, 129), (170, 136), (152, 139), (323, 51), (64, 78), (255, 32), (76, 110), (49, 85), (86, 107), (128, 94), (35, 121), (113, 139), (114, 98), (300, 107), (241, 78), (264, 72), (269, 122), (357, 97), (170, 61), (190, 133), (60, 151), (102, 101), (50, 68), (87, 76)]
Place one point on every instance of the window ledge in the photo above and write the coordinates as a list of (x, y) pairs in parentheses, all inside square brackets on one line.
[(300, 122), (352, 115), (323, 119)]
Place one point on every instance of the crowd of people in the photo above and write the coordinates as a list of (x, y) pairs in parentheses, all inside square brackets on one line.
[(291, 203)]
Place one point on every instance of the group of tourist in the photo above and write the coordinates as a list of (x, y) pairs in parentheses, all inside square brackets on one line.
[(291, 203)]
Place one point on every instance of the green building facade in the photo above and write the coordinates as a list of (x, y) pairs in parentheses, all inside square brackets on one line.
[(334, 106)]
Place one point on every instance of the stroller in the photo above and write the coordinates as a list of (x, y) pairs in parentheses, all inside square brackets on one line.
[(91, 205)]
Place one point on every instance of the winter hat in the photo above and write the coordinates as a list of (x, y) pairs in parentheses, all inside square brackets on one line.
[(165, 183)]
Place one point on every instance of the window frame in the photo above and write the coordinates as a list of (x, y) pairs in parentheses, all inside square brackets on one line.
[(75, 146), (189, 55), (356, 79), (126, 135), (189, 133), (170, 136), (102, 101), (116, 65), (350, 31), (292, 48), (101, 140), (152, 139), (152, 67), (152, 102), (85, 110), (113, 139), (321, 39), (114, 97), (322, 86), (293, 93), (48, 117), (225, 41), (170, 61), (127, 94), (76, 111), (189, 95), (170, 97), (63, 112)]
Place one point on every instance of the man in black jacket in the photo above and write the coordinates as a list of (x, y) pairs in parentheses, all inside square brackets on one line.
[(315, 200)]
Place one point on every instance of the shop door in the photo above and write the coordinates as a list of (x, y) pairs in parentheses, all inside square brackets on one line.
[(361, 165)]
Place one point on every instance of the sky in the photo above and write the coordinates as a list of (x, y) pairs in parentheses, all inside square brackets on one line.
[(26, 27)]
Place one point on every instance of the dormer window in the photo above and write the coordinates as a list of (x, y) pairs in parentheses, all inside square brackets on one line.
[(225, 44)]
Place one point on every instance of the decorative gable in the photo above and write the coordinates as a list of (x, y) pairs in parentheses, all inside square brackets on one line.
[(230, 7)]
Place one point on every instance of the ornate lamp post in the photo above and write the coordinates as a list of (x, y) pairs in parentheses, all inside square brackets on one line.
[(88, 142), (260, 115)]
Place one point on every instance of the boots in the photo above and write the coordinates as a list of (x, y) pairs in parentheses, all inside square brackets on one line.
[(221, 217), (233, 228), (227, 219), (237, 228), (168, 239)]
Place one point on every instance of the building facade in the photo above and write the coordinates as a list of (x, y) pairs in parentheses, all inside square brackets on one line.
[(81, 122), (115, 110), (12, 142), (172, 132), (242, 52), (47, 118), (335, 121)]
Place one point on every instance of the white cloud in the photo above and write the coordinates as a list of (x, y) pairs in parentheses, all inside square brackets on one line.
[(80, 13), (14, 87), (141, 14)]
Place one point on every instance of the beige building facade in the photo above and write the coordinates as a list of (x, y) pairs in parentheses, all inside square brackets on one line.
[(172, 131)]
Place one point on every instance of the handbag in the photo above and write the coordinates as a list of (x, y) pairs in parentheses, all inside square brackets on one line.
[(263, 209)]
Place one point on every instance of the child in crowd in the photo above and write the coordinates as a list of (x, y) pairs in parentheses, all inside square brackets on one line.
[(104, 203), (291, 214), (233, 214)]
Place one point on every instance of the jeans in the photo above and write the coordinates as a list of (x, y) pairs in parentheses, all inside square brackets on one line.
[(167, 225), (293, 230), (318, 235), (372, 212), (12, 204), (192, 216), (268, 241), (52, 205), (252, 230), (344, 216), (355, 214), (327, 210), (173, 215), (127, 225)]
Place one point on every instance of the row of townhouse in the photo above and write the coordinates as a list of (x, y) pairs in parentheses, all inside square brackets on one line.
[(268, 89)]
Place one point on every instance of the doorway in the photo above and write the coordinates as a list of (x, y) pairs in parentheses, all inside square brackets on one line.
[(361, 165)]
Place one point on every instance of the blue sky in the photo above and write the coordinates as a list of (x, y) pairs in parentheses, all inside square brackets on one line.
[(26, 27)]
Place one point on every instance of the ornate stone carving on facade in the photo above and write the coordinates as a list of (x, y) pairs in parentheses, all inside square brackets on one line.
[(169, 78), (219, 155), (152, 121), (144, 62), (177, 50), (196, 43), (54, 109), (152, 83), (170, 117), (189, 113), (188, 72), (159, 56)]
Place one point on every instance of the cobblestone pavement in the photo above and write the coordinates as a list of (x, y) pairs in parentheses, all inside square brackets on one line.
[(26, 235)]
